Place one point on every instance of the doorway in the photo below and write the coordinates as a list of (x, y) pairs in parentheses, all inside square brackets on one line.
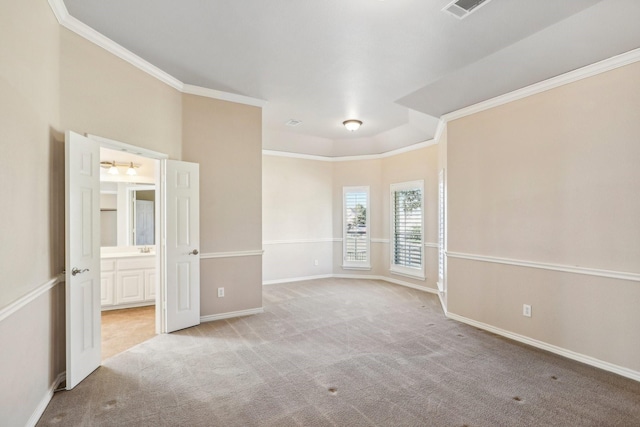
[(175, 282), (128, 251)]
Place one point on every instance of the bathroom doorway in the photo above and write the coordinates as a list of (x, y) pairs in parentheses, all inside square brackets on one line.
[(128, 249)]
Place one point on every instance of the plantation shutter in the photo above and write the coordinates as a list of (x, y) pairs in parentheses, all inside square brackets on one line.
[(356, 233), (407, 228)]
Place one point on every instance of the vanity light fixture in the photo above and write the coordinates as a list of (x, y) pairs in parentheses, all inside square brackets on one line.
[(113, 167), (131, 171), (113, 170), (352, 124)]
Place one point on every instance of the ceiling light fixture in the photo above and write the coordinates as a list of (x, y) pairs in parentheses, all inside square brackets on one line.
[(352, 124)]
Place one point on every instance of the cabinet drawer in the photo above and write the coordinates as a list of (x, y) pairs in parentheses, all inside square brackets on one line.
[(136, 263), (107, 265)]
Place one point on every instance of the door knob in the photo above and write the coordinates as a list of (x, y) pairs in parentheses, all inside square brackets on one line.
[(194, 252), (75, 271)]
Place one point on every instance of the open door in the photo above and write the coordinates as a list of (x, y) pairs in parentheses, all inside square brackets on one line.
[(82, 263), (182, 219)]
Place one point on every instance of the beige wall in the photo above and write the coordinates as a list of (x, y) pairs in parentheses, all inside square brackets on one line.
[(31, 160), (225, 138), (31, 214), (106, 96), (52, 80), (283, 185), (296, 217), (552, 178)]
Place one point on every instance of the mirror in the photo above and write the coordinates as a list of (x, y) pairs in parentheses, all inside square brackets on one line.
[(127, 214)]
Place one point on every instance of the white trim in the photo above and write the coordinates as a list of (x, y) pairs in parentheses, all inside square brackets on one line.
[(296, 279), (621, 275), (298, 241), (122, 146), (441, 297), (431, 245), (71, 23), (625, 372), (356, 267), (353, 276), (552, 83), (37, 413), (231, 314), (130, 305), (26, 299), (223, 96), (213, 255), (114, 48), (391, 153)]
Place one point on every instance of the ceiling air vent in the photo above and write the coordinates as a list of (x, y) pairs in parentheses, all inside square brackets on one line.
[(463, 8), (293, 122)]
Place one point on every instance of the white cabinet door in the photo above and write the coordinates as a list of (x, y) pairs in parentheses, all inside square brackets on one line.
[(130, 288), (150, 285), (107, 285)]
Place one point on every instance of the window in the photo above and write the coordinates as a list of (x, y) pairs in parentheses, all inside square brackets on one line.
[(406, 229), (356, 232)]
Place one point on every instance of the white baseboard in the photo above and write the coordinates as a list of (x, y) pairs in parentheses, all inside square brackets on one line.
[(231, 314), (592, 361), (35, 417), (132, 305), (352, 276)]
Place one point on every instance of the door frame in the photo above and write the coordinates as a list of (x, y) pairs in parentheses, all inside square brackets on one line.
[(160, 220)]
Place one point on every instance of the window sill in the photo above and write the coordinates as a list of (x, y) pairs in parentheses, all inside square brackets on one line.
[(417, 275), (355, 267)]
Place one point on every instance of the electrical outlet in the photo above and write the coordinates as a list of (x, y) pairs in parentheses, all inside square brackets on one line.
[(220, 292), (315, 262), (526, 310)]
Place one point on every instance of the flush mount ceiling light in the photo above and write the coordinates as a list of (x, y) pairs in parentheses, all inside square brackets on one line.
[(113, 167), (352, 125)]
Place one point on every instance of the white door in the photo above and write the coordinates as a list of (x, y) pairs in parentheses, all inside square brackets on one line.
[(182, 245), (82, 264), (144, 225)]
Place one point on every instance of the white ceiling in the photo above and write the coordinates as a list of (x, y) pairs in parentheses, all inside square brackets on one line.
[(397, 65)]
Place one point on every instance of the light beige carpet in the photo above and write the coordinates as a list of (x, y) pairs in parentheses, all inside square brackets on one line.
[(341, 352)]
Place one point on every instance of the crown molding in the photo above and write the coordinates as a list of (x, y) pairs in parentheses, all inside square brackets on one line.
[(391, 153), (83, 30), (224, 96), (545, 85)]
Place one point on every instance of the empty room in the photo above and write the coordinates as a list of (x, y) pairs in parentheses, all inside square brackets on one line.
[(340, 213)]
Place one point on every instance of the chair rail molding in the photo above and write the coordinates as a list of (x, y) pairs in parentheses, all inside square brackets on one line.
[(635, 277), (213, 255), (26, 299)]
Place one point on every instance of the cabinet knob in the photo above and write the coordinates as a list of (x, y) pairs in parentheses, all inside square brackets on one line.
[(194, 252)]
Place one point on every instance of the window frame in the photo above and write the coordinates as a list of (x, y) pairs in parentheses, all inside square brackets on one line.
[(413, 272), (356, 265)]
